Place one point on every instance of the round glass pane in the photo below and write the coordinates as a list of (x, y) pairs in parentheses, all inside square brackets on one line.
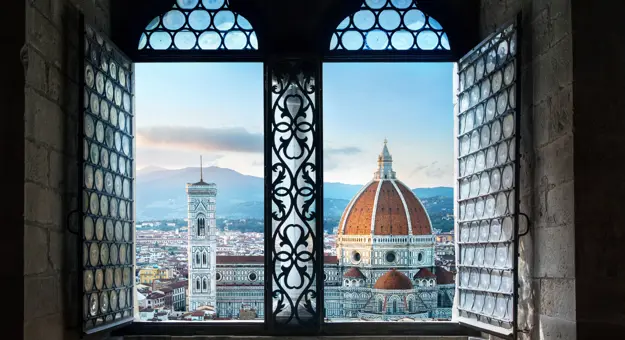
[(427, 40), (377, 40), (160, 40), (352, 40), (402, 40), (173, 20), (184, 40), (364, 19), (389, 19), (414, 19), (209, 40), (224, 20)]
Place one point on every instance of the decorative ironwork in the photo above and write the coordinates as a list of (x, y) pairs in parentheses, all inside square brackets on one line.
[(487, 180), (199, 25), (107, 184), (294, 158), (389, 25)]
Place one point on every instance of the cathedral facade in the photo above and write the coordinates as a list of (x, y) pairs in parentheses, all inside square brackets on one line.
[(384, 269)]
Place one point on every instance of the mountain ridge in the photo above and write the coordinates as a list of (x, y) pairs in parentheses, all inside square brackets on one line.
[(160, 193)]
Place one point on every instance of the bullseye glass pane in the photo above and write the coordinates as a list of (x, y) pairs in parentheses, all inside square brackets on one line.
[(390, 25), (101, 132), (199, 25), (487, 199)]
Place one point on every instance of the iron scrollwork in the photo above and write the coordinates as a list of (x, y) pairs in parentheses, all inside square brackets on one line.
[(294, 175)]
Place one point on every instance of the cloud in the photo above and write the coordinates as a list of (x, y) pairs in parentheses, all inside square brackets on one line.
[(349, 150), (199, 138), (432, 170), (332, 156)]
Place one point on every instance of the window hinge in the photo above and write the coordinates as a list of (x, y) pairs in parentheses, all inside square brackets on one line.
[(529, 224)]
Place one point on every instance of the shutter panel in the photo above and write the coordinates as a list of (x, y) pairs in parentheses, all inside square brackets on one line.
[(107, 169), (487, 127)]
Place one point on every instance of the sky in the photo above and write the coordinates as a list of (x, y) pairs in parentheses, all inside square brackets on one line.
[(216, 110)]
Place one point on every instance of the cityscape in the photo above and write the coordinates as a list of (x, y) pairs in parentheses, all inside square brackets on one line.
[(388, 216), (397, 278)]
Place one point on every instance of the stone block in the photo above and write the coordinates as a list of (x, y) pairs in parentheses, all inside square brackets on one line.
[(56, 178), (43, 206), (36, 70), (56, 251), (554, 255), (43, 36), (36, 254), (555, 328), (37, 163), (55, 84), (560, 205), (41, 296), (554, 162), (50, 327), (553, 70), (43, 120), (557, 298)]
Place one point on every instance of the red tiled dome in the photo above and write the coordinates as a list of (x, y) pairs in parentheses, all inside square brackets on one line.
[(424, 273), (385, 206), (393, 279), (390, 206), (354, 272)]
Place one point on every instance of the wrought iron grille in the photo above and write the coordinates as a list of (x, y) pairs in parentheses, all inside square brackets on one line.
[(488, 176), (389, 25), (294, 175), (107, 176), (199, 25)]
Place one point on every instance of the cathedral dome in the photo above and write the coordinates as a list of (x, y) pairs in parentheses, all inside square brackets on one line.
[(385, 206), (393, 280)]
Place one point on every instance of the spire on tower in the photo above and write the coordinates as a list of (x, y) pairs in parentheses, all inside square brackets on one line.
[(201, 170), (385, 164)]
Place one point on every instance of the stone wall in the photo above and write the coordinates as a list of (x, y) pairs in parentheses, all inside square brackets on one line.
[(547, 307), (599, 52), (51, 63)]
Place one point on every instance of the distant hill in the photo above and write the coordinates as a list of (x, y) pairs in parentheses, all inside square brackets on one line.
[(161, 193)]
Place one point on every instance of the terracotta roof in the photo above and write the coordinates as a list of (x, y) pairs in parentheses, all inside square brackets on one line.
[(444, 276), (393, 279), (198, 313), (329, 259), (260, 259), (424, 273), (255, 259), (155, 296), (354, 272), (387, 205), (178, 284)]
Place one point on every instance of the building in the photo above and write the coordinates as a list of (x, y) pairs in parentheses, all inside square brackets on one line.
[(201, 199), (147, 275), (384, 268)]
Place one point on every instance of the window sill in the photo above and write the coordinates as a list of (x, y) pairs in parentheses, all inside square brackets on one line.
[(385, 329)]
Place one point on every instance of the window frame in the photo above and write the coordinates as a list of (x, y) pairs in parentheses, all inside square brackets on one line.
[(262, 55)]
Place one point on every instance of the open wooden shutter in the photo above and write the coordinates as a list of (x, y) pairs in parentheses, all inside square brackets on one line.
[(487, 127), (107, 226)]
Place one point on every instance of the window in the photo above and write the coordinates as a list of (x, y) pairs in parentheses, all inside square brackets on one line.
[(204, 259), (200, 227), (293, 139)]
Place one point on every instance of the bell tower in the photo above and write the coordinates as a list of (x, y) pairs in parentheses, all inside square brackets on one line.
[(202, 256)]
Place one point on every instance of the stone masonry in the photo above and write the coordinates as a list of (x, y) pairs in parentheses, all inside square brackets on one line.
[(547, 265), (572, 145)]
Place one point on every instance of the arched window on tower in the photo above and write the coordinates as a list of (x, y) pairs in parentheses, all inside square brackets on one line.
[(197, 284), (394, 306), (410, 306), (380, 306), (201, 228), (197, 258), (204, 261), (205, 285)]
